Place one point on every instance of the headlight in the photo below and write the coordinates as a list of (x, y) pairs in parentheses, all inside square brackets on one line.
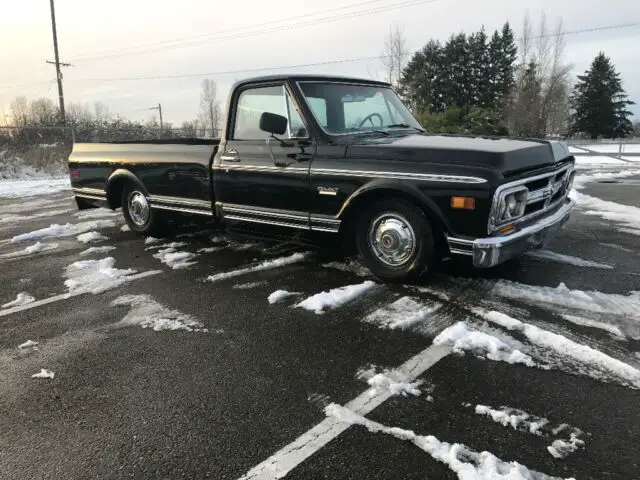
[(509, 206)]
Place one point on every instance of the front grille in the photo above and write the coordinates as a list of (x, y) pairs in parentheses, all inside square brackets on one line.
[(545, 192)]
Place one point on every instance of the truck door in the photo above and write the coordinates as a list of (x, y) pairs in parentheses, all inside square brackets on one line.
[(258, 179)]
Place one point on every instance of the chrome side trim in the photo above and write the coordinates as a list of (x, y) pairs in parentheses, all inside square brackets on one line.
[(327, 220), (90, 191), (455, 251), (189, 202), (263, 213), (324, 229), (261, 168), (264, 221), (399, 175), (182, 210), (90, 197)]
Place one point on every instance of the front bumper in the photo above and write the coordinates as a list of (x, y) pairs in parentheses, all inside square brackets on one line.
[(491, 251)]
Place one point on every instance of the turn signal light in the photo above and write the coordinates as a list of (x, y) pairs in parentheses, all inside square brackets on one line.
[(463, 203), (506, 229)]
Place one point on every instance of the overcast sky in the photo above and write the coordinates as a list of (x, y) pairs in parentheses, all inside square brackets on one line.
[(101, 40)]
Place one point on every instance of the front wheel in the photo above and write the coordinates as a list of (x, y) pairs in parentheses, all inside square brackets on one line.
[(395, 240), (137, 211)]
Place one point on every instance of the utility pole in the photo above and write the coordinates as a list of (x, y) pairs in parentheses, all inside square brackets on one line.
[(159, 108), (57, 63)]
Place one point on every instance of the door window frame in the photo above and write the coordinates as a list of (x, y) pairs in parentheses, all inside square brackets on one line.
[(287, 92)]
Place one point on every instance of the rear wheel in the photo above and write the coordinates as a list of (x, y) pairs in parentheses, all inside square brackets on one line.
[(395, 240), (137, 211)]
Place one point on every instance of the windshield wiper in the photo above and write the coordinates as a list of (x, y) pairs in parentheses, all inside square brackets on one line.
[(404, 125)]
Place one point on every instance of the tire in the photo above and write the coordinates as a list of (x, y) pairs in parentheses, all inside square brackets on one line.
[(395, 240), (138, 214)]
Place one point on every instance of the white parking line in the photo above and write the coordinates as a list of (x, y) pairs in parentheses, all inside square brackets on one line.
[(64, 296), (282, 462)]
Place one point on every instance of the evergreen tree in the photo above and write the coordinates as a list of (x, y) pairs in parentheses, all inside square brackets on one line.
[(480, 69), (600, 103), (506, 59), (422, 77)]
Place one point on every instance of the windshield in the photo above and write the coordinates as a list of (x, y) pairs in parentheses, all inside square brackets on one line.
[(343, 108)]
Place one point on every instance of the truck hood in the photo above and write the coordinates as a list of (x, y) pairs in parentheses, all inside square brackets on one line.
[(506, 156)]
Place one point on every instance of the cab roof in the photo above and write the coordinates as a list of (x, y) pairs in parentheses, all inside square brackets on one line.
[(307, 77)]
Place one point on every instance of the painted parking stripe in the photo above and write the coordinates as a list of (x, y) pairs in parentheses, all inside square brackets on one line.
[(282, 462), (64, 296)]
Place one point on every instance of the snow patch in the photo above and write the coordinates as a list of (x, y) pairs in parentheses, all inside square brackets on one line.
[(32, 188), (586, 322), (266, 265), (562, 448), (462, 339), (44, 373), (92, 250), (353, 266), (167, 245), (147, 313), (210, 249), (402, 313), (125, 228), (466, 463), (568, 259), (248, 285), (23, 218), (96, 213), (336, 297), (382, 382), (174, 259), (151, 240), (594, 359), (28, 344), (95, 276), (280, 295), (91, 237), (626, 215), (23, 298), (66, 230), (30, 250)]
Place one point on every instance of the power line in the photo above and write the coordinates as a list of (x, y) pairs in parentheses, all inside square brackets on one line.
[(88, 56), (303, 65), (313, 22)]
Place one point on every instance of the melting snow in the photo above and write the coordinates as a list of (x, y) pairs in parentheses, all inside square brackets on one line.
[(30, 250), (23, 298), (125, 228), (151, 240), (95, 276), (353, 266), (28, 344), (335, 297), (568, 259), (402, 313), (462, 339), (44, 373), (96, 213), (266, 265), (148, 313), (31, 188), (176, 260), (561, 448), (248, 285), (280, 295), (586, 322), (466, 463), (563, 346), (626, 215), (167, 245), (22, 218), (92, 250), (91, 237), (66, 230)]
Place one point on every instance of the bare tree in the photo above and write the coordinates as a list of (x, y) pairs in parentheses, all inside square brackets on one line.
[(210, 111), (19, 111), (539, 103), (394, 55)]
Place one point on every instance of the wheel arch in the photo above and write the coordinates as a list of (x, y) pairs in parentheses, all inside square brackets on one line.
[(116, 184), (376, 190)]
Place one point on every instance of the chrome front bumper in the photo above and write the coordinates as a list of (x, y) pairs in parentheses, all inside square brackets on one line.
[(491, 251)]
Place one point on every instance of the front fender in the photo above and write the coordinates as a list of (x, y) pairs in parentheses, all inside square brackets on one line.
[(117, 181), (383, 187)]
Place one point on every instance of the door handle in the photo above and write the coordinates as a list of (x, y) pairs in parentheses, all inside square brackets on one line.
[(230, 155)]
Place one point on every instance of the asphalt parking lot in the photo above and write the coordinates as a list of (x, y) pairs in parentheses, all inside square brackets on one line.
[(190, 372)]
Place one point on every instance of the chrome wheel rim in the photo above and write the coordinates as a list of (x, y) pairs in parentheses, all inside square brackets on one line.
[(138, 208), (392, 239)]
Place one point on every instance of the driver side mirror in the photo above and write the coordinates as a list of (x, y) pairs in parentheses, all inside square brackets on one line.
[(273, 123)]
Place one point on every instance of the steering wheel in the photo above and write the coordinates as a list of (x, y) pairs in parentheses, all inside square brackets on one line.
[(370, 118)]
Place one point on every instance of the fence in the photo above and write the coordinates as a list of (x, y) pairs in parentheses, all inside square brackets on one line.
[(627, 147)]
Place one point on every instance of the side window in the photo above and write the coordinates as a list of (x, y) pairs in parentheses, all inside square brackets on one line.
[(253, 102)]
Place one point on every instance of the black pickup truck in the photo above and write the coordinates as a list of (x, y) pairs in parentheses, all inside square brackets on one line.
[(321, 156)]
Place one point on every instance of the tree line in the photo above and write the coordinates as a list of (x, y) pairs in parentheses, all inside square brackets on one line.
[(37, 121), (494, 84)]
